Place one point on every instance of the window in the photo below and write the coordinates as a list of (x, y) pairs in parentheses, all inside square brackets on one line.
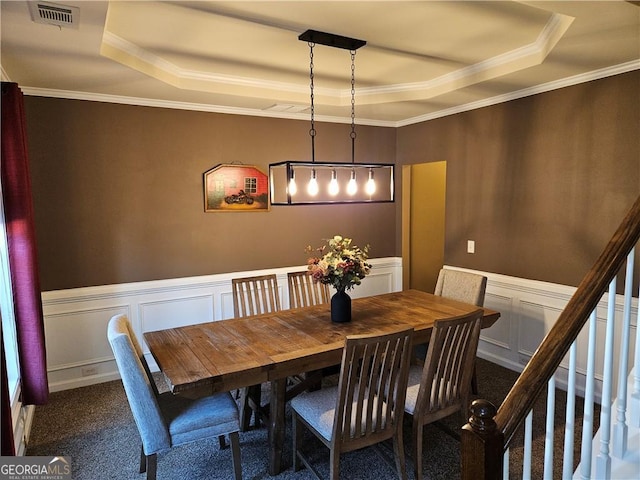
[(7, 314), (250, 184)]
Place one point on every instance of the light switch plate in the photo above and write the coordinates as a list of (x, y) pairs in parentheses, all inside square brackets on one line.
[(471, 246)]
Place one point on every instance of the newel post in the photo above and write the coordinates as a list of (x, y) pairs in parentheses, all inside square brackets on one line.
[(482, 444)]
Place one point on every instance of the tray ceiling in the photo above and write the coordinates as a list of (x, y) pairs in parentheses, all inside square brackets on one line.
[(423, 59)]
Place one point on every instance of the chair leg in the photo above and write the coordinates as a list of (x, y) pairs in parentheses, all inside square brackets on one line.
[(334, 467), (256, 395), (222, 441), (143, 461), (245, 410), (417, 449), (152, 463), (235, 450), (398, 453), (248, 395), (474, 381), (297, 438)]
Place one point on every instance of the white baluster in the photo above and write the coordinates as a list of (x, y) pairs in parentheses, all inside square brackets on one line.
[(587, 423), (548, 439), (567, 463), (505, 466), (634, 402), (603, 461), (527, 452), (620, 429)]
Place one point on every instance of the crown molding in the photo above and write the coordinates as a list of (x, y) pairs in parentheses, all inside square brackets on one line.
[(527, 92), (200, 107), (147, 102), (4, 75), (508, 62), (134, 56)]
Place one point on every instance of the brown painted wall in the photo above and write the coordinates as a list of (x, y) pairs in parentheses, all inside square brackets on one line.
[(539, 183), (118, 193)]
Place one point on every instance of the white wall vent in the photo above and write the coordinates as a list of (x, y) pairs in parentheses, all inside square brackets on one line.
[(54, 14), (286, 107)]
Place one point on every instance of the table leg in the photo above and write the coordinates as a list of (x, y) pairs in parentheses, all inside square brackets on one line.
[(276, 424)]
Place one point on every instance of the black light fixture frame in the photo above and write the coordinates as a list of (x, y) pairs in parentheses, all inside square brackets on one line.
[(283, 170), (331, 40), (313, 37)]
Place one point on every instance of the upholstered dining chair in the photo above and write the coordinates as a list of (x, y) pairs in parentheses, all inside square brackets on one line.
[(167, 420), (365, 408), (303, 291), (465, 287), (253, 296), (462, 286), (441, 387)]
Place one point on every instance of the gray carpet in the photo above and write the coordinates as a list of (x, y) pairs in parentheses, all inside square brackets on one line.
[(94, 426)]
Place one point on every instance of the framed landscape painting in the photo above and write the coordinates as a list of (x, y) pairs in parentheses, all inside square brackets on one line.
[(236, 188)]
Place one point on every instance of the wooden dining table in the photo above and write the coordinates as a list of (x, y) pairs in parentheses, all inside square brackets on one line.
[(228, 354)]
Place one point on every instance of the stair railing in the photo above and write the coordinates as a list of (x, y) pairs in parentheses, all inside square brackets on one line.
[(487, 436)]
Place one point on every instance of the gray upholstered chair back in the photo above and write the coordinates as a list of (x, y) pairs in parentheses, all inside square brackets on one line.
[(462, 286), (139, 388)]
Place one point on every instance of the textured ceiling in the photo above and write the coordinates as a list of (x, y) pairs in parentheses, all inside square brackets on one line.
[(423, 59)]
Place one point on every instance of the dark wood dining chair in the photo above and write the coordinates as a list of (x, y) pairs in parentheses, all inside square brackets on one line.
[(304, 292), (442, 386), (253, 296), (365, 408), (465, 287)]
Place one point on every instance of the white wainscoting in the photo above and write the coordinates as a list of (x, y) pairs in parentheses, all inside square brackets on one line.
[(78, 352), (76, 320), (528, 309)]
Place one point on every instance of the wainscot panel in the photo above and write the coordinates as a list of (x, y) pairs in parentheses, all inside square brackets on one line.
[(84, 313), (528, 309)]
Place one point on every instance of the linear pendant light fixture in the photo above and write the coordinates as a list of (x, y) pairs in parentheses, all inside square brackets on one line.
[(304, 182)]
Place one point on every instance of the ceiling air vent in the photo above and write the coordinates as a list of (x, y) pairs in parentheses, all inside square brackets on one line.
[(54, 14), (285, 107)]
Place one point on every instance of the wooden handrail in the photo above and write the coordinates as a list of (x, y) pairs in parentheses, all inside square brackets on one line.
[(481, 458), (546, 360)]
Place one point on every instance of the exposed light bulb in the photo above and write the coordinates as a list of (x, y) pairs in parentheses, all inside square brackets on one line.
[(352, 186), (370, 187), (293, 188), (312, 187), (334, 187)]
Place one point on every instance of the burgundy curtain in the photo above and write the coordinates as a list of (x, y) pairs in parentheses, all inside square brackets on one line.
[(18, 212)]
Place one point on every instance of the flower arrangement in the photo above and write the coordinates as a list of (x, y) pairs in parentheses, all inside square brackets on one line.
[(341, 265)]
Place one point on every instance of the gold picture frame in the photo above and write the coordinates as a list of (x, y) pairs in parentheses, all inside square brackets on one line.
[(231, 187)]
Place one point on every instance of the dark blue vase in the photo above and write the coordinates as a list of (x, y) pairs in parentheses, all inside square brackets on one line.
[(341, 307)]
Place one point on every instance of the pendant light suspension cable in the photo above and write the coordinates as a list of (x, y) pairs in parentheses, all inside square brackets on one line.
[(312, 187), (312, 131), (352, 186)]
